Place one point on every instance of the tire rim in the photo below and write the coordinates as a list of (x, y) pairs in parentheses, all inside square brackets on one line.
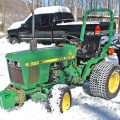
[(66, 102), (114, 82), (14, 42)]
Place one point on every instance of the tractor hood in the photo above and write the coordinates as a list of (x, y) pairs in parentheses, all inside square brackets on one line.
[(49, 54)]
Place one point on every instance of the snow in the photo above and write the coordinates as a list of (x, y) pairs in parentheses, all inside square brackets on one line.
[(78, 23), (16, 25), (2, 34), (56, 92), (112, 58), (42, 10), (84, 106), (51, 9)]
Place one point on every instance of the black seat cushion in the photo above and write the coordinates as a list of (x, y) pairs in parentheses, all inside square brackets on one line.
[(90, 47)]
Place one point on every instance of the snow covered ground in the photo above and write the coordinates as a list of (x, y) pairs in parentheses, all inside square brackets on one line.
[(84, 107)]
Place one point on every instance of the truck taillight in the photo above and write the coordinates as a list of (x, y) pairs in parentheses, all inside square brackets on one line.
[(97, 30), (111, 51)]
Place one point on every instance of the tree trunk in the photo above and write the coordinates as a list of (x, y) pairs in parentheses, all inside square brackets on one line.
[(91, 4), (113, 6), (75, 9), (3, 16), (4, 19), (106, 2), (39, 3), (55, 2), (82, 8), (28, 7), (65, 2), (48, 2)]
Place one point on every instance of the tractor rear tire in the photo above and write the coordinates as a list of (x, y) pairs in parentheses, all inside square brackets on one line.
[(60, 98), (105, 80)]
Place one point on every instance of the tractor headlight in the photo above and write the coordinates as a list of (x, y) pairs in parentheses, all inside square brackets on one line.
[(10, 62), (13, 63), (18, 64)]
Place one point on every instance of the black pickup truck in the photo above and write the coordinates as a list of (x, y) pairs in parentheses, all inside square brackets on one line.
[(51, 25)]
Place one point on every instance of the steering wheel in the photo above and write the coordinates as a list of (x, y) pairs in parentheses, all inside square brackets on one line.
[(71, 39), (116, 44)]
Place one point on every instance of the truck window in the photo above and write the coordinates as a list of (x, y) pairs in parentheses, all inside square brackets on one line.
[(29, 21), (45, 20), (56, 18), (66, 17), (37, 21)]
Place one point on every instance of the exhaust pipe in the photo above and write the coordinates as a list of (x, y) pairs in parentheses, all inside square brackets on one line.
[(33, 42)]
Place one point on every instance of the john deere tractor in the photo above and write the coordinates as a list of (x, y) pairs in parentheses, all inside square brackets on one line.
[(46, 73)]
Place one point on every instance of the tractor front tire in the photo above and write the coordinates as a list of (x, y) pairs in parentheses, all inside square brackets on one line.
[(105, 80), (60, 98)]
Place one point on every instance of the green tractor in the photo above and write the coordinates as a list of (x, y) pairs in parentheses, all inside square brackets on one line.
[(46, 73)]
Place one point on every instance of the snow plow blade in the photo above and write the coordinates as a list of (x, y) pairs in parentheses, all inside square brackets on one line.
[(8, 99)]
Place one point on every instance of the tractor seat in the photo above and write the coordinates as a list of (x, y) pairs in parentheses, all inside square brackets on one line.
[(90, 47)]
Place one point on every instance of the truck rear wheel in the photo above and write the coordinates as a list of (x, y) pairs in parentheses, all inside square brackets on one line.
[(60, 98), (105, 80)]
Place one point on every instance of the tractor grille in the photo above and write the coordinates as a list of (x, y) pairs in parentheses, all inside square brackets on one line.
[(33, 74), (15, 72)]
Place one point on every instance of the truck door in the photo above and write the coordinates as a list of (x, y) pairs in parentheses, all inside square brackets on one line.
[(58, 32), (25, 32), (45, 29)]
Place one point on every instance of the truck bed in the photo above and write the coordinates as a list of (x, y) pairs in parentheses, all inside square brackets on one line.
[(74, 28), (90, 26)]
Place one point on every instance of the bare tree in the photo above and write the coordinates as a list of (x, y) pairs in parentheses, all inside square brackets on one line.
[(106, 4), (48, 2), (87, 4), (59, 2), (39, 3), (82, 5), (75, 9), (65, 2), (3, 16), (69, 4), (28, 5), (113, 6), (91, 4), (4, 19)]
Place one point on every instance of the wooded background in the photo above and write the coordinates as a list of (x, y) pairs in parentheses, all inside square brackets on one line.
[(16, 10)]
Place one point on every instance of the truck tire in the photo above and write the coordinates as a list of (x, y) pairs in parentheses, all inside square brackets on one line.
[(60, 98), (105, 80), (14, 40)]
